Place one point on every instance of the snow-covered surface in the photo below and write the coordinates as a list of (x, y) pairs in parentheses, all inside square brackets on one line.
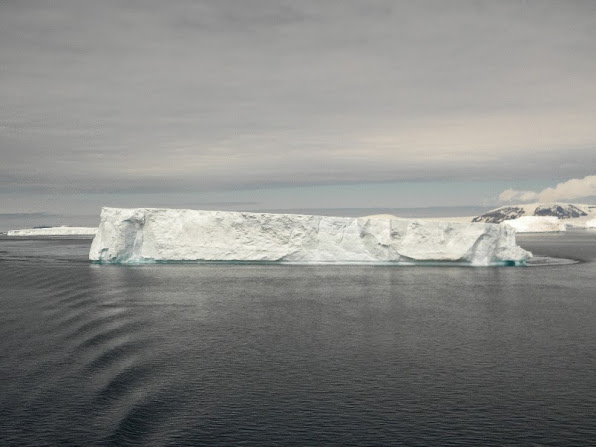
[(451, 218), (591, 224), (149, 235), (55, 231), (536, 224), (381, 216)]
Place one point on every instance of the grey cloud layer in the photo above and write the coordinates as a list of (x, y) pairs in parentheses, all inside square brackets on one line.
[(207, 95)]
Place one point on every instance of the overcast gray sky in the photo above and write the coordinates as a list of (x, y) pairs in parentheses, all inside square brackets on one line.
[(284, 102)]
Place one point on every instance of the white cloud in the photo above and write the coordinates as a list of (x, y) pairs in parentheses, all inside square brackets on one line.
[(571, 189), (512, 195)]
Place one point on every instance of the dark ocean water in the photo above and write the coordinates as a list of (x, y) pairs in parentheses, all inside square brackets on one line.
[(296, 355)]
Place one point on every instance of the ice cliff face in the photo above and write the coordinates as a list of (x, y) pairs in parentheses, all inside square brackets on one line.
[(54, 231), (536, 224), (150, 235)]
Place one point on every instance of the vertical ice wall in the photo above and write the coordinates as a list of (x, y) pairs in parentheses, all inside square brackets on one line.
[(148, 235)]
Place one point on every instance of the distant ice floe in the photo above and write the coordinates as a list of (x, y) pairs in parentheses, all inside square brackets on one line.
[(143, 235), (55, 231), (536, 224)]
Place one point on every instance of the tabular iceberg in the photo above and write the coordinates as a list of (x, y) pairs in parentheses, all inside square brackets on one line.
[(143, 235), (54, 231)]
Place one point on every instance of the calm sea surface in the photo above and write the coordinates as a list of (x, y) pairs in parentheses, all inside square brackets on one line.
[(296, 355)]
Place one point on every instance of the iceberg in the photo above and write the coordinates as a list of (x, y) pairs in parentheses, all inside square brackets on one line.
[(536, 224), (145, 235), (54, 231)]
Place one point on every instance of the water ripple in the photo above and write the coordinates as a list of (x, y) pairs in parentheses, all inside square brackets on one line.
[(274, 355)]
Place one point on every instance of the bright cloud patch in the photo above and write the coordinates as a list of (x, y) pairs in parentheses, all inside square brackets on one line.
[(569, 190)]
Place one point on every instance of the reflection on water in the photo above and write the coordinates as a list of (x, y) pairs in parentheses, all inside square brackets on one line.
[(271, 354)]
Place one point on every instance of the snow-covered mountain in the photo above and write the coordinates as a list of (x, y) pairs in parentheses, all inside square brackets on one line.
[(575, 215)]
